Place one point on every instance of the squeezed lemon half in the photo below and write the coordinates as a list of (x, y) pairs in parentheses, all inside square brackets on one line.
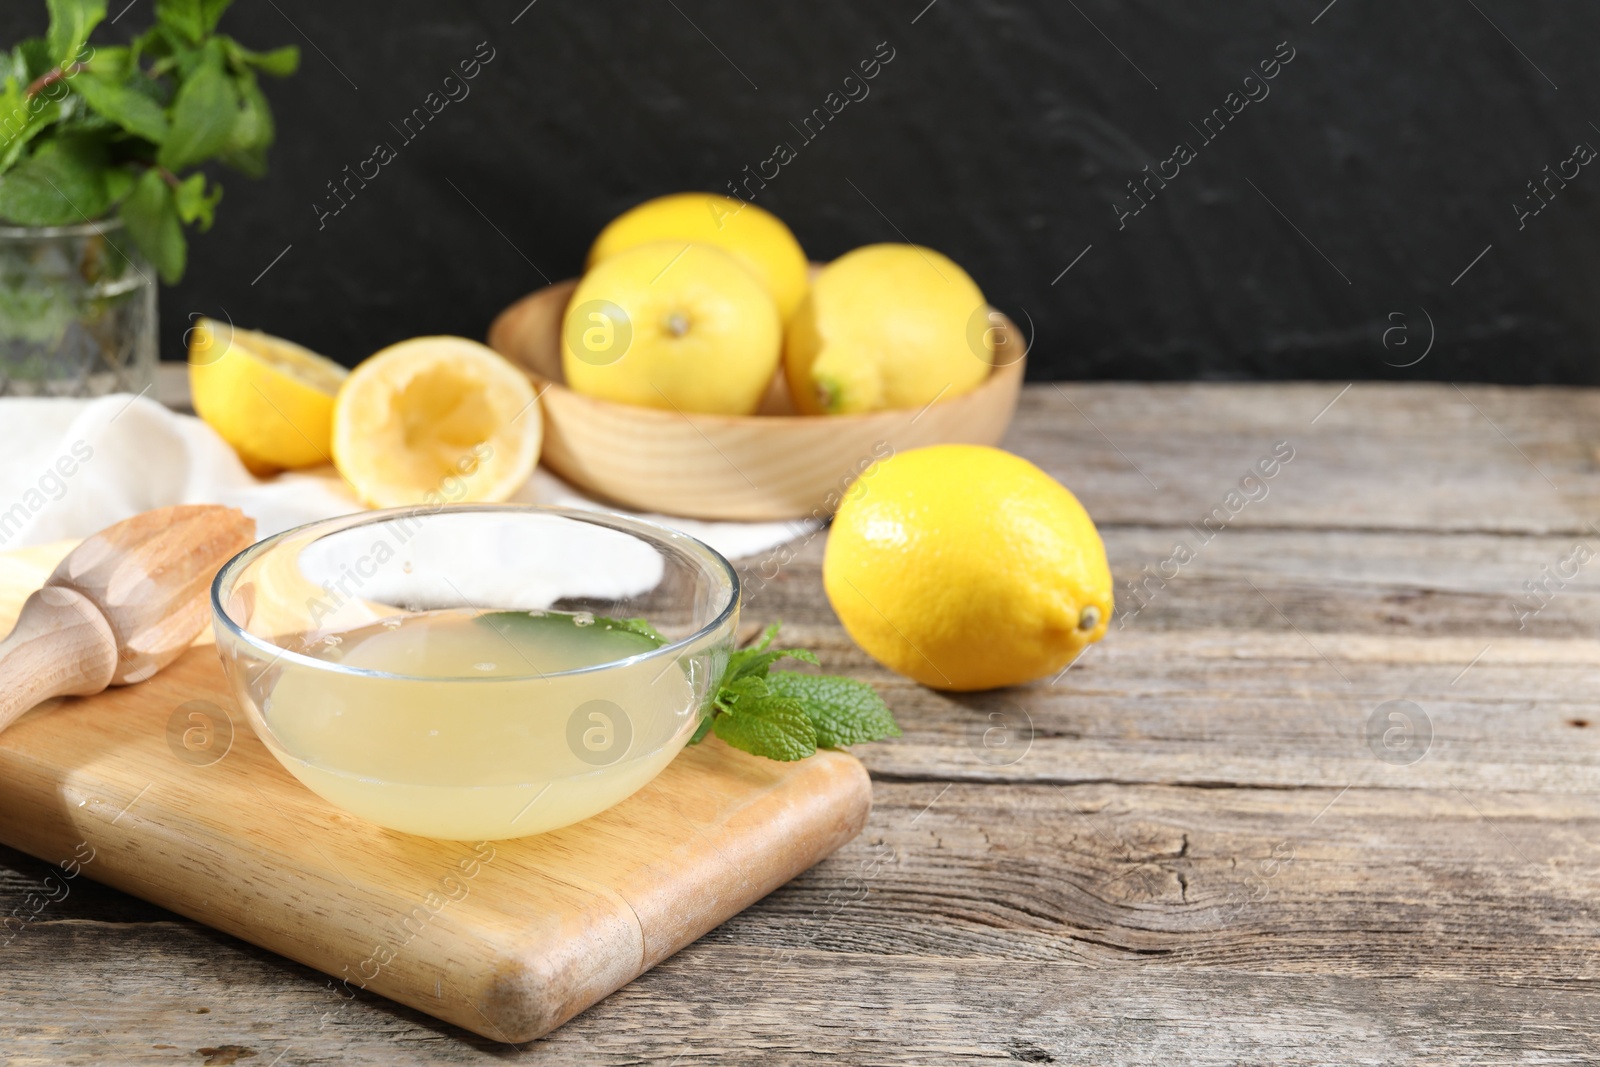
[(436, 420)]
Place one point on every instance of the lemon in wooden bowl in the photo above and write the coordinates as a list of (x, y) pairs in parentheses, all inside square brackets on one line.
[(774, 464), (758, 239), (887, 326), (673, 325)]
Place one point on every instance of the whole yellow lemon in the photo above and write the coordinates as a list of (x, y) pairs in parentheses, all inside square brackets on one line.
[(672, 325), (887, 326), (964, 567), (755, 237)]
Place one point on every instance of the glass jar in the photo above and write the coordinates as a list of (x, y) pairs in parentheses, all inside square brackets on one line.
[(77, 311)]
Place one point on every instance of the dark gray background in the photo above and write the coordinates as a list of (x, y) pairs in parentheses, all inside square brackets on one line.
[(1387, 156)]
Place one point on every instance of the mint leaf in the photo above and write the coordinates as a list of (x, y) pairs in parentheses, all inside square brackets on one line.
[(766, 637), (192, 19), (203, 114), (181, 16), (731, 692), (119, 183), (631, 626), (71, 21), (60, 184), (252, 133), (211, 12), (154, 42), (31, 59), (749, 663), (632, 637), (774, 727), (280, 62), (701, 730), (21, 121), (194, 204), (111, 61), (122, 104), (759, 657), (152, 220), (12, 67), (843, 711)]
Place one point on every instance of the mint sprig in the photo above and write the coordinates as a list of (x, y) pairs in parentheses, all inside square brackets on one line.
[(88, 131), (787, 715)]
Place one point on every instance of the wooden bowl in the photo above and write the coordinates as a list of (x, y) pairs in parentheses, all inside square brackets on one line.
[(772, 465)]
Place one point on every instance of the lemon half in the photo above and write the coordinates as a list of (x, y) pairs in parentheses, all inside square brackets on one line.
[(271, 399), (436, 420)]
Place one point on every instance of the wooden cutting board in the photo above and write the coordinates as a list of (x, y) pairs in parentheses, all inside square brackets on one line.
[(163, 791)]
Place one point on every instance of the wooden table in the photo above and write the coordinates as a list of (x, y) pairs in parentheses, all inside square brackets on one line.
[(1210, 841)]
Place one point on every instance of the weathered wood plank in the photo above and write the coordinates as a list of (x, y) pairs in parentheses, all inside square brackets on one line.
[(1422, 456), (880, 1010), (1309, 912), (1260, 711), (1263, 662), (1347, 581)]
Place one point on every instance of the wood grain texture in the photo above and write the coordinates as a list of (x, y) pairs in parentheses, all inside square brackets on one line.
[(60, 645), (150, 577), (508, 939), (774, 465), (1185, 850), (1434, 458)]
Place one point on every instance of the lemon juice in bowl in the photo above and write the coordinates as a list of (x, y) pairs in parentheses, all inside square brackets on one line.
[(439, 750), (422, 692)]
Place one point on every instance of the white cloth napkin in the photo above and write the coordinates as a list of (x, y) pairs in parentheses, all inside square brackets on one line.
[(71, 467)]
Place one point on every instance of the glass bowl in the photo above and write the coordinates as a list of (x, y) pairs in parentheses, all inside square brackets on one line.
[(475, 672)]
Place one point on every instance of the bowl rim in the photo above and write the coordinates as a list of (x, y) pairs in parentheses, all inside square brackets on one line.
[(654, 533), (999, 377)]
